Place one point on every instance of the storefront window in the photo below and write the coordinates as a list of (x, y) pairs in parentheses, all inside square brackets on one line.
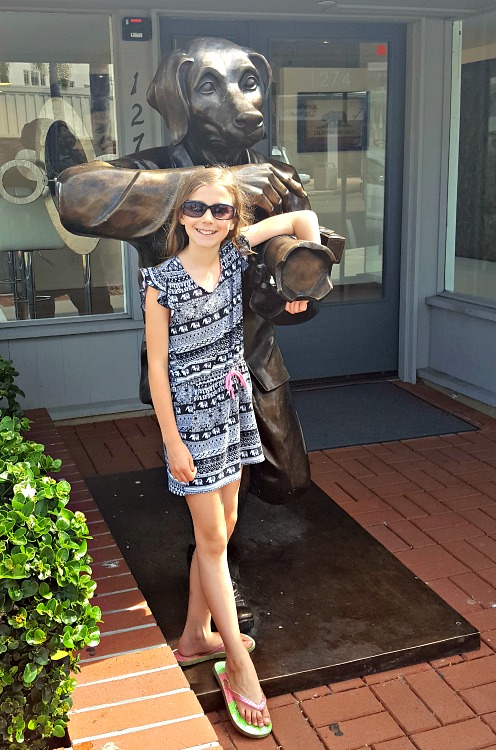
[(330, 122), (56, 111), (471, 252)]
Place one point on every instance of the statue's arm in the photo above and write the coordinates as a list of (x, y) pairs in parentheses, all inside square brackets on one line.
[(99, 199), (126, 203)]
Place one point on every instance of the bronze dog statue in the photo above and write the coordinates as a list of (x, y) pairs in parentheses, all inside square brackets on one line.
[(210, 95)]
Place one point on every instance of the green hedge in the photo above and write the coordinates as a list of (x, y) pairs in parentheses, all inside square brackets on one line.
[(45, 592)]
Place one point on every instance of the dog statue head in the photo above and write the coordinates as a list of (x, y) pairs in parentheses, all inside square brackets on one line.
[(211, 93)]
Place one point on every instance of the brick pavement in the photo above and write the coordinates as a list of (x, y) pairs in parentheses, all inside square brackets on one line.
[(432, 503)]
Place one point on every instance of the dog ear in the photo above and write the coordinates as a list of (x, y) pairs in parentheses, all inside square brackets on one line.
[(167, 94), (263, 68)]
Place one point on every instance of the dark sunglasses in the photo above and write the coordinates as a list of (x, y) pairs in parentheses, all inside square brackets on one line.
[(196, 209)]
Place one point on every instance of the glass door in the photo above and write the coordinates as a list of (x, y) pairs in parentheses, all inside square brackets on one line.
[(336, 113)]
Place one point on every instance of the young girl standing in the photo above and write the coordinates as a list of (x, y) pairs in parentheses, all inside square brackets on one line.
[(201, 393)]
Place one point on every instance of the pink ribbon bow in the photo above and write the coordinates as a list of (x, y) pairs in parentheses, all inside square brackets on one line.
[(229, 381)]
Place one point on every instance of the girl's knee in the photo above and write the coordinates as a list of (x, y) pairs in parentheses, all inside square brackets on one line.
[(212, 542)]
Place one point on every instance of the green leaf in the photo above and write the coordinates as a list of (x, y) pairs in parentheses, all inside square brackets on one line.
[(20, 536), (63, 488), (93, 637), (83, 549), (63, 555), (59, 654), (63, 524), (58, 730), (80, 632), (41, 507), (47, 554), (45, 591), (69, 617), (42, 657), (29, 588), (64, 538), (15, 593), (35, 636), (28, 508), (67, 641), (16, 572), (30, 673)]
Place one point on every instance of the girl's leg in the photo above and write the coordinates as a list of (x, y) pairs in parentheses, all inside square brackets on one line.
[(209, 512), (197, 636)]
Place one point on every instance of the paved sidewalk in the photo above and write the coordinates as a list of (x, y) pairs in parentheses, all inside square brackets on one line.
[(432, 503)]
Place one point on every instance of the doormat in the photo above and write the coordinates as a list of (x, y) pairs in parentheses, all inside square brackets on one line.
[(364, 413), (330, 602)]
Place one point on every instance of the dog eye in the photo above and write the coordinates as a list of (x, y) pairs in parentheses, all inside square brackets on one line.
[(207, 88), (250, 83)]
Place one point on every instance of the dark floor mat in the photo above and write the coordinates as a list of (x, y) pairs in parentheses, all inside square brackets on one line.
[(364, 413), (330, 602)]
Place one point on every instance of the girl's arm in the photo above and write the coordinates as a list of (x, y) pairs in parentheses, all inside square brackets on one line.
[(157, 345), (303, 224)]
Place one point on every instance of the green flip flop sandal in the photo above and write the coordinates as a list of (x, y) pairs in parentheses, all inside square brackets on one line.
[(230, 696)]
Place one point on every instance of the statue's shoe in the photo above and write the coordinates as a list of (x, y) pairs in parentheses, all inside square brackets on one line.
[(246, 619)]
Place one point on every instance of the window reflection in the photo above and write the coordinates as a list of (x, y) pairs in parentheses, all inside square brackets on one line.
[(475, 244), (53, 115), (330, 123)]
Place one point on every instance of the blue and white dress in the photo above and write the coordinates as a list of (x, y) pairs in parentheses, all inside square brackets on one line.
[(209, 379)]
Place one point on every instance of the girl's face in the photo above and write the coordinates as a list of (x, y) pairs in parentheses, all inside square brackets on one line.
[(206, 231)]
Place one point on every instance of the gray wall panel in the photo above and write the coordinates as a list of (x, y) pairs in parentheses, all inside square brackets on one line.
[(79, 375), (463, 347)]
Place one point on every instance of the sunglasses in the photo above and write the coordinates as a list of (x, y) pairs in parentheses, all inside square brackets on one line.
[(196, 209)]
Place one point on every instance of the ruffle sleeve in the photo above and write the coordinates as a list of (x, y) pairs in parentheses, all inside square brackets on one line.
[(156, 277)]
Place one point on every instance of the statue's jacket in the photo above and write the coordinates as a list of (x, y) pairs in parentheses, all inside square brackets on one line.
[(131, 199)]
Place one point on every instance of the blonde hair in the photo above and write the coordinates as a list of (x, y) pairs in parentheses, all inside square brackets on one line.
[(218, 175)]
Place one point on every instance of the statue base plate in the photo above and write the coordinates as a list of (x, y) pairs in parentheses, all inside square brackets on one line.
[(330, 602)]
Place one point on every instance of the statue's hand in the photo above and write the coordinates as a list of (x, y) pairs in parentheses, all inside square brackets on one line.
[(268, 186)]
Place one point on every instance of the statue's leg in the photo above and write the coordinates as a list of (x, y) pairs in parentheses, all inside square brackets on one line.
[(285, 473)]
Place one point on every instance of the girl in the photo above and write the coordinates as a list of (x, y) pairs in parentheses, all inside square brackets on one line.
[(201, 392)]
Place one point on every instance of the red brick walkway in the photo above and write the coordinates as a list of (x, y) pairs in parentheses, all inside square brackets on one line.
[(431, 502)]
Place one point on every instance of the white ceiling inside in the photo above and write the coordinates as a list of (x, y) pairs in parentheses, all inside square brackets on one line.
[(344, 9)]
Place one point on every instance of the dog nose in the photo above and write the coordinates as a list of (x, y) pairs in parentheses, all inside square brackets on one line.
[(248, 121)]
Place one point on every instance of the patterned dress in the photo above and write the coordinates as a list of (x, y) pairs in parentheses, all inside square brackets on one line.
[(209, 380)]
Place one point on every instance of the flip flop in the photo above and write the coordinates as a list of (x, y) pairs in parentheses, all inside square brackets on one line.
[(215, 653), (230, 696)]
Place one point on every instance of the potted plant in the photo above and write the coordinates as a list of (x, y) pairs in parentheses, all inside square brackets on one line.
[(45, 591)]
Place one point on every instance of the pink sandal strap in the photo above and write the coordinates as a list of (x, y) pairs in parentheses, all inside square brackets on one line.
[(217, 650), (257, 706)]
